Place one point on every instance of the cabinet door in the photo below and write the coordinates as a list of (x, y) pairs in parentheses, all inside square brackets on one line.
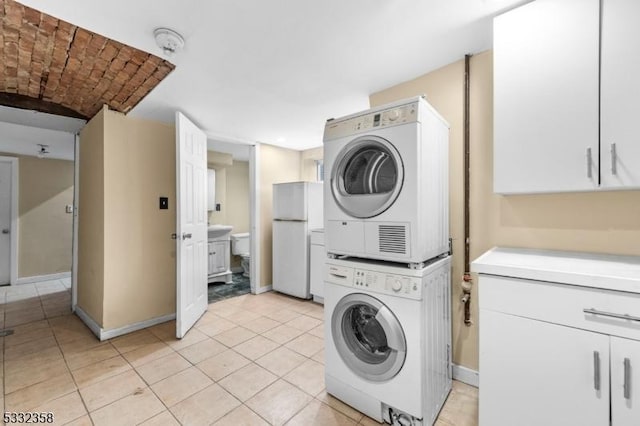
[(534, 373), (211, 267), (546, 61), (219, 256), (620, 91), (625, 382)]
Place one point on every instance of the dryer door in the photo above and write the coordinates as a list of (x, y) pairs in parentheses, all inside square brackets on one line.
[(367, 176), (368, 337)]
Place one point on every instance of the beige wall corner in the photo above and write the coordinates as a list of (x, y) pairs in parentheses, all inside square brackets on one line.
[(91, 219), (215, 158), (140, 272), (308, 163), (276, 165)]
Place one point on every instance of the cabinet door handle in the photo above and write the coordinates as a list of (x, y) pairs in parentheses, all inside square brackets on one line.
[(596, 370), (589, 159), (614, 160), (610, 314), (627, 378)]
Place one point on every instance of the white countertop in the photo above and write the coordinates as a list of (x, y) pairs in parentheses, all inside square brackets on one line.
[(610, 272)]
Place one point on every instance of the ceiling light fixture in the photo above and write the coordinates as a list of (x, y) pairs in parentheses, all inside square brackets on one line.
[(168, 40), (42, 152)]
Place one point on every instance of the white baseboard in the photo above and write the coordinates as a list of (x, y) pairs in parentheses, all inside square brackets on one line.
[(103, 334), (466, 375), (89, 322), (263, 289), (38, 278), (115, 332), (318, 299)]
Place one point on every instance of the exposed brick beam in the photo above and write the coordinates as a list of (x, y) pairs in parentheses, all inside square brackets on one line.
[(46, 60)]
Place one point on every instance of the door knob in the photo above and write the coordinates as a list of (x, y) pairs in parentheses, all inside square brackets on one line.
[(186, 235), (5, 231)]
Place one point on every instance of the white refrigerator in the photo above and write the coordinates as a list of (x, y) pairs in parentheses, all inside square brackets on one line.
[(297, 208)]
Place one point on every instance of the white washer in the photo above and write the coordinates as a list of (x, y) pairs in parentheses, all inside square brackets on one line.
[(387, 191), (388, 338)]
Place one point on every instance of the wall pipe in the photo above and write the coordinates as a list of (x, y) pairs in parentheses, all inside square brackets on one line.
[(467, 282)]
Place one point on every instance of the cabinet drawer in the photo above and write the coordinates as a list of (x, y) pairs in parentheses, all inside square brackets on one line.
[(562, 304)]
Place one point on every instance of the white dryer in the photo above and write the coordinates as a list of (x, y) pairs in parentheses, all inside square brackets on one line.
[(388, 338), (387, 171)]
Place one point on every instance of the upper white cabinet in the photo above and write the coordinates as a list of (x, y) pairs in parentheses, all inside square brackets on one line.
[(620, 92), (546, 97), (555, 128)]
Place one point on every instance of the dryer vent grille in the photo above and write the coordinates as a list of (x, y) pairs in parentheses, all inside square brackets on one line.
[(392, 239)]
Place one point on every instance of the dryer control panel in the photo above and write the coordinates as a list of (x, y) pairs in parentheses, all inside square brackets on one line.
[(371, 121), (375, 281)]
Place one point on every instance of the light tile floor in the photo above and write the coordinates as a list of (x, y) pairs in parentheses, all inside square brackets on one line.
[(250, 360)]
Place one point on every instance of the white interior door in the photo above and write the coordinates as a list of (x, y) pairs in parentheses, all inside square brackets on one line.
[(191, 228), (5, 221)]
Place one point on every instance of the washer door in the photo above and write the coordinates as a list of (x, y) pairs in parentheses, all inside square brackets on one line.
[(367, 176), (368, 337)]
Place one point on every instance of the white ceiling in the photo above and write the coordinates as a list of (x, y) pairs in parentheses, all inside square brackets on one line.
[(273, 71), (24, 140)]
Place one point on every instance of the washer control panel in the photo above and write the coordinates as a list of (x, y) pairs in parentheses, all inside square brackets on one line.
[(375, 281), (390, 117)]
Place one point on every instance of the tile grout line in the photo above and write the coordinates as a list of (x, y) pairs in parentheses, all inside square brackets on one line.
[(55, 337)]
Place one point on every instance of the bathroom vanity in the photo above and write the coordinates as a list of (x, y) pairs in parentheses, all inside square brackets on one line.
[(219, 265)]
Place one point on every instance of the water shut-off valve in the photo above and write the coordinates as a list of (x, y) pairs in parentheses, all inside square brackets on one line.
[(466, 285)]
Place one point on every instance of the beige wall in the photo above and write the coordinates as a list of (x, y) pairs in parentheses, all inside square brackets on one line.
[(276, 165), (126, 258), (603, 222), (308, 160), (140, 270), (45, 230), (91, 219), (220, 217)]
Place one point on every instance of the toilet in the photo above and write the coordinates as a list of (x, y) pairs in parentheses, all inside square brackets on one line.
[(240, 247)]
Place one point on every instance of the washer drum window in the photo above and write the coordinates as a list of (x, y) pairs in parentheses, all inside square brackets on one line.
[(368, 337), (367, 176)]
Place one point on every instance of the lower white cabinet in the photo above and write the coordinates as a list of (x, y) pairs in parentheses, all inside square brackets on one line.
[(559, 339), (219, 261)]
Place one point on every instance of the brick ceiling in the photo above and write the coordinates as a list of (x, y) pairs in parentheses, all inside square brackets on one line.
[(50, 65)]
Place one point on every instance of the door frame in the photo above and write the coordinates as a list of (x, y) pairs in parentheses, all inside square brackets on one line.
[(13, 249), (254, 206), (74, 237)]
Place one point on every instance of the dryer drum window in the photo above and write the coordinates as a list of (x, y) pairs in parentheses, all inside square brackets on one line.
[(367, 176), (368, 337)]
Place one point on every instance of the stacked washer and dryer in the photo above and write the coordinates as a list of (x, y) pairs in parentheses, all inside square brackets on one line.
[(387, 276)]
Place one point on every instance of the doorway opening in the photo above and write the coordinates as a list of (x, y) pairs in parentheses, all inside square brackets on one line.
[(37, 172), (230, 219)]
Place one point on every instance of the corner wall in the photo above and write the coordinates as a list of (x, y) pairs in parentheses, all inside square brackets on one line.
[(140, 256), (601, 222), (91, 229)]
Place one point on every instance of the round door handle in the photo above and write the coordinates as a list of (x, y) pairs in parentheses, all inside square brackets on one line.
[(5, 231)]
